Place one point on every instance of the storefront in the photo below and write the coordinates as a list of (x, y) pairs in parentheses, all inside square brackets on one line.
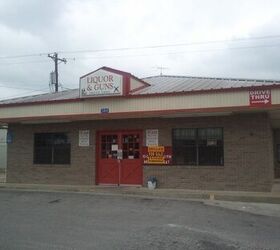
[(117, 129)]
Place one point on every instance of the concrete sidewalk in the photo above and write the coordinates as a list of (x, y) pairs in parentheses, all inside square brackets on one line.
[(2, 176), (264, 197)]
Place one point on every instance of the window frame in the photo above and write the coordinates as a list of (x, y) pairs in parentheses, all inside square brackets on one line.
[(53, 147), (197, 147)]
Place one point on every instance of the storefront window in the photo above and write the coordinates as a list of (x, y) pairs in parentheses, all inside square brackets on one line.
[(51, 148), (198, 146), (131, 146), (109, 146)]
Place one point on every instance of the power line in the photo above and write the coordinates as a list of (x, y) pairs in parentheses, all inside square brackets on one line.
[(144, 47), (23, 55), (23, 88), (178, 52), (3, 84), (23, 94), (30, 62), (20, 88), (24, 62), (170, 45), (162, 53)]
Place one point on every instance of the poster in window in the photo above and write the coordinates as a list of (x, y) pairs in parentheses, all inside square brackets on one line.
[(152, 137), (211, 142), (83, 138)]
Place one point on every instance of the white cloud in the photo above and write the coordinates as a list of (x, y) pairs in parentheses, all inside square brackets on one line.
[(17, 41), (40, 26)]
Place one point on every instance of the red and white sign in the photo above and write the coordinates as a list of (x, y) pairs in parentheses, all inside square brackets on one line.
[(101, 83), (260, 97)]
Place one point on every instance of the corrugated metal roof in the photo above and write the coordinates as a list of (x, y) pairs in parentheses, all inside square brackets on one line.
[(62, 95), (176, 84), (159, 85)]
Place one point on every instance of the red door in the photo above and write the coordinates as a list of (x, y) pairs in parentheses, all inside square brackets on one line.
[(119, 158)]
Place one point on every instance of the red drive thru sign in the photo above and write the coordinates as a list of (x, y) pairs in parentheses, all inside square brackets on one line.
[(260, 97)]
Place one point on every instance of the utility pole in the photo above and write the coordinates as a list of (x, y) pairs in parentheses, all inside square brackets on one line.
[(55, 58)]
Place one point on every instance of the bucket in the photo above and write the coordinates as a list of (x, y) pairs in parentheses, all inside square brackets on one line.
[(152, 182)]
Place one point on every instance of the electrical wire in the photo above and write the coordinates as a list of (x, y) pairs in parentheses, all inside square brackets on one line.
[(170, 45), (20, 88), (24, 88), (155, 54), (179, 52), (143, 47), (24, 55), (24, 62), (23, 94)]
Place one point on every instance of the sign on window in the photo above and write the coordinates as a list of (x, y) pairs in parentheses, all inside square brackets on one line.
[(83, 138)]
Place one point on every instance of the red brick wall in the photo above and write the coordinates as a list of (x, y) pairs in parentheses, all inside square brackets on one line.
[(248, 154)]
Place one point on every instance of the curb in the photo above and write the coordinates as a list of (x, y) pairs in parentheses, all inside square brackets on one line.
[(273, 198)]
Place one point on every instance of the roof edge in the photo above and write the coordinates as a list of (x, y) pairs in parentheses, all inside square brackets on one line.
[(119, 72), (116, 71), (117, 115), (132, 95), (216, 78)]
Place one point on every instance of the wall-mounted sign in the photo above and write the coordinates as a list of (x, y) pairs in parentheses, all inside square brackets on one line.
[(260, 97), (101, 83), (151, 137), (104, 110), (157, 155), (10, 137), (83, 138)]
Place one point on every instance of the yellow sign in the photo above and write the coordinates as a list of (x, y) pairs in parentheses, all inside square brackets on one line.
[(156, 155), (160, 155)]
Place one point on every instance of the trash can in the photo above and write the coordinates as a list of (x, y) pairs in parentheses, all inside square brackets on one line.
[(152, 182)]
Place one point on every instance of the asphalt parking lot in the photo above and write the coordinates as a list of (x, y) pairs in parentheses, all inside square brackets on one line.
[(52, 220)]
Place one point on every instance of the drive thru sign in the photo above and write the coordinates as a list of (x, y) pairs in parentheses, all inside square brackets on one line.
[(261, 97)]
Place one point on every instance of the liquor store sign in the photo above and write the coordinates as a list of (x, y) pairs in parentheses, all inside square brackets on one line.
[(101, 83)]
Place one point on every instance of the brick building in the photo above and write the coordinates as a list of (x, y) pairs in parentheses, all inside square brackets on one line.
[(117, 129), (3, 150)]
